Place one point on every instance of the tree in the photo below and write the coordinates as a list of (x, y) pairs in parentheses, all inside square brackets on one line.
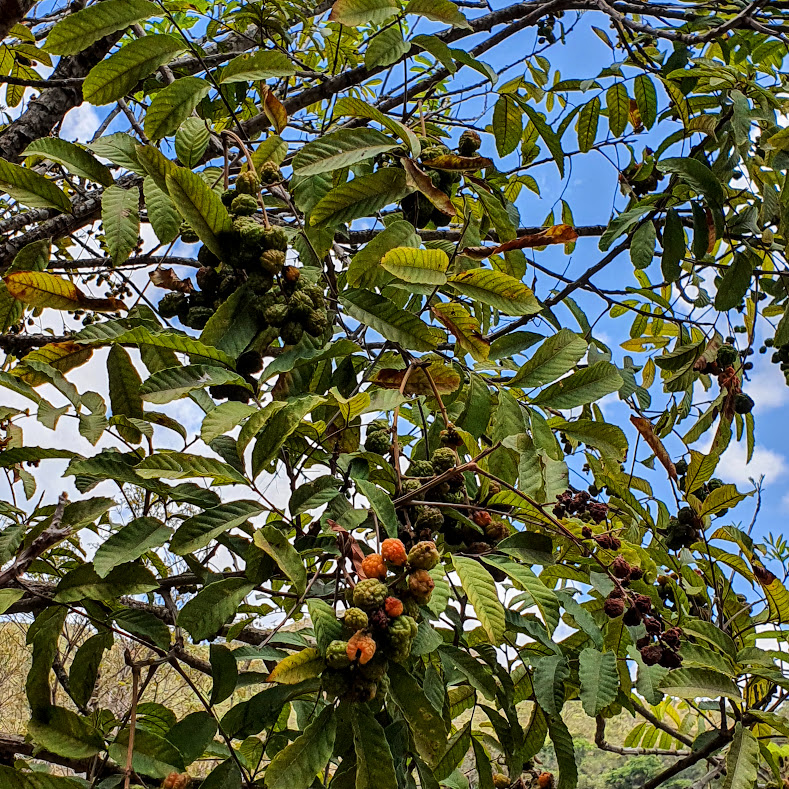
[(403, 494)]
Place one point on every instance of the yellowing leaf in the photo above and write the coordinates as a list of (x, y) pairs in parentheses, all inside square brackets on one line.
[(40, 289), (297, 667), (499, 290), (464, 326), (417, 266)]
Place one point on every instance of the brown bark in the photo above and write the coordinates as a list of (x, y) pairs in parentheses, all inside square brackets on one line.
[(11, 12)]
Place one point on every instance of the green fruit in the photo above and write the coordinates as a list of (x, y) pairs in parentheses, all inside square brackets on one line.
[(248, 183), (276, 315), (336, 684), (188, 236), (727, 356), (686, 516), (229, 285), (315, 292), (300, 305), (421, 468), (424, 555), (377, 424), (291, 332), (197, 317), (443, 459), (260, 283), (375, 668), (244, 205), (337, 655), (743, 404), (270, 173), (433, 152), (355, 619), (379, 441), (272, 261), (173, 304), (370, 593), (417, 209), (274, 238), (228, 196), (714, 484), (207, 257), (316, 323), (681, 466), (429, 518), (469, 143)]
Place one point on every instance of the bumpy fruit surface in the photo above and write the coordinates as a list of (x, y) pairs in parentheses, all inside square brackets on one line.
[(276, 315), (443, 459), (424, 555), (743, 404), (393, 606), (369, 594), (337, 654), (244, 205), (379, 441), (270, 173), (360, 647), (355, 619), (545, 780), (496, 531), (421, 585), (613, 607), (421, 468), (272, 260), (429, 518), (188, 235), (300, 305), (315, 292), (275, 239), (291, 332), (316, 323), (373, 566), (468, 145), (248, 183), (171, 304), (176, 781), (727, 356), (197, 317), (393, 552), (500, 781)]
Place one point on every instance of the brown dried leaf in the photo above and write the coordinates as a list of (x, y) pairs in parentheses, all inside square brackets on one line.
[(419, 179), (349, 547), (274, 111), (446, 379), (167, 278), (455, 163), (558, 234), (644, 427)]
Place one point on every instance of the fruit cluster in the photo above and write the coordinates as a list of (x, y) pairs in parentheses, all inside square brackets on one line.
[(724, 367), (580, 505), (176, 781), (682, 531), (381, 624), (657, 645), (255, 256)]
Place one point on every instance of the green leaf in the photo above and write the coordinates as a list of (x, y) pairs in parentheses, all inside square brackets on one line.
[(193, 735), (113, 78), (556, 356), (296, 765), (385, 48), (172, 105), (548, 136), (340, 149), (690, 683), (480, 588), (66, 734), (374, 764), (224, 673), (550, 674), (84, 583), (582, 387), (364, 269), (621, 224), (362, 196), (76, 159), (417, 266), (313, 494), (427, 726), (191, 141), (354, 13), (742, 760), (79, 29), (588, 119), (173, 383), (9, 596), (497, 289), (457, 748), (507, 124), (599, 680), (394, 324), (618, 106), (298, 667), (544, 598), (565, 753), (196, 532), (204, 615), (324, 622), (223, 418), (32, 189), (646, 99), (735, 283), (153, 755), (162, 215), (182, 465), (201, 207), (724, 497), (224, 776), (381, 503), (84, 670), (673, 246), (143, 625), (358, 108), (697, 175), (276, 545), (609, 439), (121, 219), (438, 11), (129, 543), (642, 245), (261, 65)]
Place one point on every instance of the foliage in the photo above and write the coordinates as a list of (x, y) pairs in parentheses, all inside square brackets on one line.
[(379, 497)]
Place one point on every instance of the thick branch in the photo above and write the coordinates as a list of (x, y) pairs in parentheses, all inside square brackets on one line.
[(12, 12), (13, 746), (692, 758)]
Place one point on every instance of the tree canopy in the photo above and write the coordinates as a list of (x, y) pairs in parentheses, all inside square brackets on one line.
[(362, 436)]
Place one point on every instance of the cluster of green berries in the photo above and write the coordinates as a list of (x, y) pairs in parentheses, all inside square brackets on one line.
[(780, 356), (728, 356), (682, 530), (381, 624)]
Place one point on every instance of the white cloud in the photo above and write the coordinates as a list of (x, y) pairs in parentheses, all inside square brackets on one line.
[(733, 467), (80, 123)]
